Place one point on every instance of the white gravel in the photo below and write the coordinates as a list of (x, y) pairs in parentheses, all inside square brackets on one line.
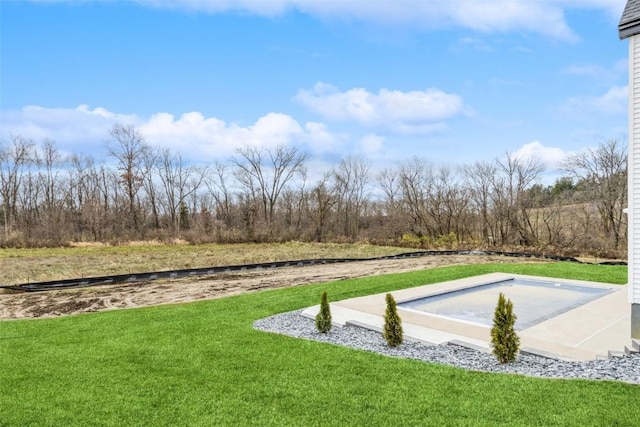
[(625, 369)]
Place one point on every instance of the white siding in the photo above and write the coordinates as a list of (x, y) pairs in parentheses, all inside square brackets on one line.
[(634, 170)]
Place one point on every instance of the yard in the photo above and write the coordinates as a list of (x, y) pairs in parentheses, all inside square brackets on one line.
[(202, 363)]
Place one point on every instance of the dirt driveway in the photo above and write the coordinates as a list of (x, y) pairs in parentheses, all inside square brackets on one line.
[(109, 297)]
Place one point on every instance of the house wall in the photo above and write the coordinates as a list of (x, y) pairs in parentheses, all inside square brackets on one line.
[(634, 184)]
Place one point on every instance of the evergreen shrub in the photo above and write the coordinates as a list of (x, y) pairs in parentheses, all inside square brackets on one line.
[(323, 318), (392, 323), (504, 339)]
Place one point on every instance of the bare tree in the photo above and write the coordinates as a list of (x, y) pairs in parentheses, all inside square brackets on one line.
[(180, 181), (92, 200), (351, 181), (264, 172), (218, 184), (602, 171), (448, 204), (129, 148), (392, 211), (515, 176), (151, 164), (260, 194), (15, 158), (478, 179), (320, 202), (50, 165), (49, 159), (388, 181), (416, 179)]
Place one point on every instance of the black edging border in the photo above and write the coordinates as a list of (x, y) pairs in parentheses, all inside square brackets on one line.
[(173, 274)]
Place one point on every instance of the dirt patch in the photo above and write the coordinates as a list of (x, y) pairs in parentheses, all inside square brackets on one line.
[(65, 302)]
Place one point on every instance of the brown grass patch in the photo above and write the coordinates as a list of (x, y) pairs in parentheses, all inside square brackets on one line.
[(35, 265)]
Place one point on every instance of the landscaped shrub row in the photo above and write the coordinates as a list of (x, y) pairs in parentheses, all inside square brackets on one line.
[(504, 339)]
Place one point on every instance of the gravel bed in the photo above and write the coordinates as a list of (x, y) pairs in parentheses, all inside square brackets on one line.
[(293, 324)]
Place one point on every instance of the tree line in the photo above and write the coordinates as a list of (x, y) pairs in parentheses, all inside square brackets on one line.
[(264, 194)]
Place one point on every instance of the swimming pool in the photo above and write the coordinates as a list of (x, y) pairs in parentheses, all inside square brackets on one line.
[(534, 301), (559, 318)]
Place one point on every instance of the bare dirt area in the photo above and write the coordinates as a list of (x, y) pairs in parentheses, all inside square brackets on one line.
[(109, 297)]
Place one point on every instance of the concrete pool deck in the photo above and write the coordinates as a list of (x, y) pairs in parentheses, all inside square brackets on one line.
[(587, 332)]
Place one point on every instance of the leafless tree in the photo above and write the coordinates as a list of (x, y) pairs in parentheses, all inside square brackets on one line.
[(388, 181), (603, 173), (15, 159), (180, 180), (150, 164), (351, 181), (128, 147), (291, 213), (49, 161), (448, 204), (515, 176), (91, 200), (217, 182), (416, 178), (392, 211), (263, 173), (260, 194), (50, 223), (320, 203), (479, 179)]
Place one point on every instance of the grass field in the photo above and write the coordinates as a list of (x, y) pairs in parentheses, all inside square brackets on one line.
[(203, 364), (34, 265)]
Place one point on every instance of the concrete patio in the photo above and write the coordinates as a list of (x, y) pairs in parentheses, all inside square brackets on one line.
[(599, 328)]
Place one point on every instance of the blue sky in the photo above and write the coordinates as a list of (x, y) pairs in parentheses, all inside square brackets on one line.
[(452, 81)]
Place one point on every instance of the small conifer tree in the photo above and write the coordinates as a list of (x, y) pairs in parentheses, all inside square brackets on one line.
[(323, 318), (504, 339), (392, 323)]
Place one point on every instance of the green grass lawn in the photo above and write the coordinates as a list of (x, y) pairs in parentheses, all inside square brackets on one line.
[(203, 364)]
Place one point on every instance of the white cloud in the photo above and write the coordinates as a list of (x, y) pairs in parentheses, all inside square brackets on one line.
[(78, 126), (546, 17), (197, 137), (320, 140), (613, 102), (551, 157), (601, 73), (400, 111), (371, 144), (508, 15), (612, 7), (268, 8), (590, 70)]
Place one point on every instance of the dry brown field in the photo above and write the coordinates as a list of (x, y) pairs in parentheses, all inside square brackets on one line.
[(53, 264)]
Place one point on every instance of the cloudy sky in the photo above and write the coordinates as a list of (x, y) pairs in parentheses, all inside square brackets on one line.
[(452, 81)]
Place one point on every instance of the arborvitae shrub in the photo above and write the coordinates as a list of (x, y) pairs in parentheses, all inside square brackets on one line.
[(504, 339), (392, 323), (323, 318)]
